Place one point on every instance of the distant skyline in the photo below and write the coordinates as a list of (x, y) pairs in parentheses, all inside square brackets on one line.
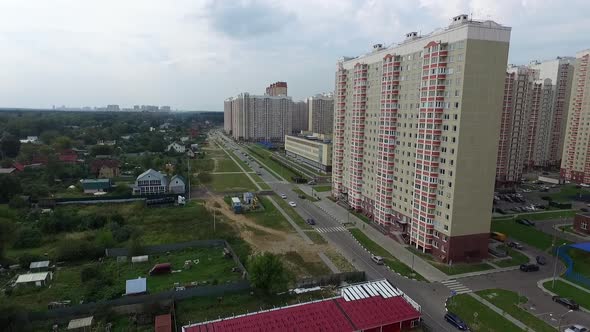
[(192, 55)]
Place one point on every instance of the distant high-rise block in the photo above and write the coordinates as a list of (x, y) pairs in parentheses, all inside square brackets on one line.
[(299, 116), (321, 113), (415, 136), (277, 89), (575, 162)]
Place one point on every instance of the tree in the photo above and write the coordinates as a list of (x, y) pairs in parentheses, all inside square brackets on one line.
[(156, 144), (267, 273), (101, 150), (28, 238), (9, 186), (7, 231), (9, 146), (62, 143)]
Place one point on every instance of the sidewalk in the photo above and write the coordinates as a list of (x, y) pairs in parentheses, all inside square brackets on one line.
[(396, 249)]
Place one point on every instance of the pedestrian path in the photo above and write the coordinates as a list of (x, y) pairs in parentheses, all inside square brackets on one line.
[(456, 287), (330, 229)]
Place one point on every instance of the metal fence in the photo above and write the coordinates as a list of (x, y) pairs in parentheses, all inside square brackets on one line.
[(332, 279), (570, 273)]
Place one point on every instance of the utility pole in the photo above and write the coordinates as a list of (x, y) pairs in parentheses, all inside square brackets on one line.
[(214, 211), (189, 175), (555, 266)]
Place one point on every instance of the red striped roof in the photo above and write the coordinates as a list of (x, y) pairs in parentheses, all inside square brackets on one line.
[(163, 323)]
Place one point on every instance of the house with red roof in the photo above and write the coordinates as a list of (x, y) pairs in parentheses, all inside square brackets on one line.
[(370, 306), (68, 156)]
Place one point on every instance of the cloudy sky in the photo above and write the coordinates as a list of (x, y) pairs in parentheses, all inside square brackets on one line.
[(193, 54)]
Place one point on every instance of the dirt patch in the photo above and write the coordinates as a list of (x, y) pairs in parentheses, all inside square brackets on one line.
[(263, 238)]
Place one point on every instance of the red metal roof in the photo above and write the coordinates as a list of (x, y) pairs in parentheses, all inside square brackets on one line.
[(327, 315), (163, 323)]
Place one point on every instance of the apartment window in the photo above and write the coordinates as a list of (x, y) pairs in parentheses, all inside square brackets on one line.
[(456, 104), (584, 225), (456, 93), (435, 244)]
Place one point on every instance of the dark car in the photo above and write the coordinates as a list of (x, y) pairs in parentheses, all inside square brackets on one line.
[(541, 260), (515, 245), (525, 222), (456, 321), (310, 221), (529, 267), (571, 304)]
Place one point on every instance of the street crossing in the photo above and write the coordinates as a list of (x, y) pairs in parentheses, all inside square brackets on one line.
[(456, 287), (330, 229)]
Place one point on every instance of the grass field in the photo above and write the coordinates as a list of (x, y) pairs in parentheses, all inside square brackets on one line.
[(270, 217), (568, 193), (454, 268), (525, 234), (291, 212), (322, 188), (581, 261), (227, 165), (487, 320), (301, 268), (539, 216), (378, 250), (264, 156), (509, 302), (341, 263), (231, 183), (315, 237), (566, 290)]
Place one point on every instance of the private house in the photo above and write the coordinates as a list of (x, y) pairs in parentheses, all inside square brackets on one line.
[(68, 156), (105, 168), (91, 186), (191, 153), (30, 139), (177, 185), (176, 147), (150, 182)]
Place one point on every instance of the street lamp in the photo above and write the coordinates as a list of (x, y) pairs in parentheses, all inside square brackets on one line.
[(555, 265), (560, 318)]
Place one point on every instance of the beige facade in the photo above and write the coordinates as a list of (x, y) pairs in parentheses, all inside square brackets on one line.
[(575, 164), (321, 113), (313, 150), (416, 130), (259, 118)]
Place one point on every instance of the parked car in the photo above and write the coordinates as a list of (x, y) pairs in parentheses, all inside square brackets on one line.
[(283, 196), (377, 259), (456, 321), (293, 204), (515, 245), (310, 221), (567, 302), (576, 328), (525, 222), (541, 260), (529, 267), (497, 252)]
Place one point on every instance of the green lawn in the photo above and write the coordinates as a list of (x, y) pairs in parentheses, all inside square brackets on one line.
[(301, 192), (453, 269), (260, 182), (341, 263), (539, 216), (581, 261), (509, 301), (516, 258), (568, 193), (291, 212), (378, 250), (264, 156), (526, 234), (322, 188), (227, 165), (566, 290), (487, 320), (316, 237), (231, 183), (271, 217), (301, 268)]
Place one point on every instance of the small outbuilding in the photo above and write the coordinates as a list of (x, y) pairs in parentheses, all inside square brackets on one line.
[(39, 266), (136, 286), (92, 186), (38, 279), (163, 323), (163, 268), (81, 324)]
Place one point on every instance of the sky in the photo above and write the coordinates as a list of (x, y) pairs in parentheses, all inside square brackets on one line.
[(193, 54)]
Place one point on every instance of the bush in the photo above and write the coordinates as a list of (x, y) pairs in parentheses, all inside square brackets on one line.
[(267, 273), (88, 273), (17, 202), (77, 250), (28, 238)]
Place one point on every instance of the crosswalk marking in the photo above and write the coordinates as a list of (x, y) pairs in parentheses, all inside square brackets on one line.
[(456, 286), (330, 229)]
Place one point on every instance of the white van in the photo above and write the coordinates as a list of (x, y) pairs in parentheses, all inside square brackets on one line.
[(377, 259)]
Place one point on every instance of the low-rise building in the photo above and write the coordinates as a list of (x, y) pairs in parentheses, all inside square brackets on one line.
[(105, 168), (150, 182), (38, 279), (91, 186), (136, 286), (582, 223), (41, 266), (176, 147), (7, 170), (313, 150), (177, 185)]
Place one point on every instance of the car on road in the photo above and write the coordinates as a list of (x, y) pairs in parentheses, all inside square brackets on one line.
[(293, 204), (456, 321), (377, 259), (529, 267), (525, 222), (567, 302), (576, 328), (541, 260), (515, 245), (310, 221), (283, 196)]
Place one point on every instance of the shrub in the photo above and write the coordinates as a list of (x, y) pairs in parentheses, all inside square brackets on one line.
[(77, 250), (88, 273), (26, 259), (28, 238)]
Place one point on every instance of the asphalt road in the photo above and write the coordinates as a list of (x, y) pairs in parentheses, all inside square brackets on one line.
[(431, 297)]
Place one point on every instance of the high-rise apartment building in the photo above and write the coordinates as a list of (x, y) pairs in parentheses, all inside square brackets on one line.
[(258, 118), (299, 116), (321, 113), (575, 162), (277, 89), (415, 135)]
